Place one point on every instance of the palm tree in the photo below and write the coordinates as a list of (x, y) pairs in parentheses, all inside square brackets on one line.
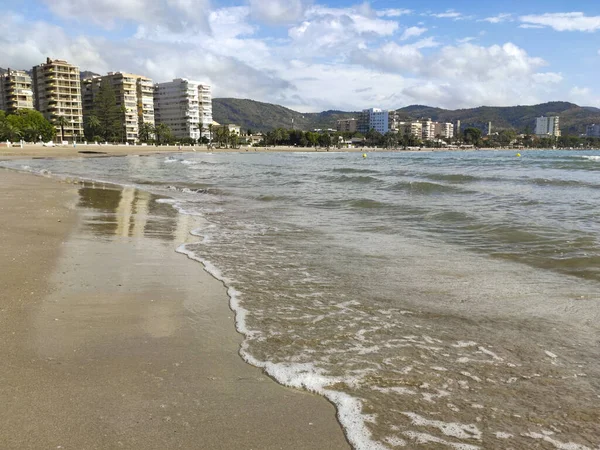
[(162, 132), (210, 134), (146, 131), (12, 132), (62, 122)]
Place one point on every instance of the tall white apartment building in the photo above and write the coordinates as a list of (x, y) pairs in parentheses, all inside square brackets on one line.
[(374, 118), (414, 129), (205, 108), (444, 130), (428, 129), (15, 91), (185, 106), (134, 97), (547, 126), (57, 94)]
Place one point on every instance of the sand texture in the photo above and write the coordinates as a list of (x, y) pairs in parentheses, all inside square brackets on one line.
[(110, 339)]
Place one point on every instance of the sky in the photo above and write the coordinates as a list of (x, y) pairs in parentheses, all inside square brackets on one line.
[(312, 55)]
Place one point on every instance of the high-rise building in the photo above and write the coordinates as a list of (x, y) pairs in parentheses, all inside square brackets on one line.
[(205, 108), (57, 94), (15, 91), (374, 119), (184, 106), (428, 129), (347, 125), (547, 126), (444, 130), (414, 129), (592, 130), (134, 98)]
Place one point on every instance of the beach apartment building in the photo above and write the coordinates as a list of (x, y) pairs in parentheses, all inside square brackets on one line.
[(185, 106), (374, 119), (592, 130), (547, 126), (205, 108), (444, 130), (57, 94), (414, 129), (16, 91), (134, 98), (347, 125), (427, 129)]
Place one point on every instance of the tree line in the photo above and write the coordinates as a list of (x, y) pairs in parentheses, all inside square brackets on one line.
[(28, 125), (469, 136)]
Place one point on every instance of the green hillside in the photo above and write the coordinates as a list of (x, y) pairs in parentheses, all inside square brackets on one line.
[(265, 116), (259, 116)]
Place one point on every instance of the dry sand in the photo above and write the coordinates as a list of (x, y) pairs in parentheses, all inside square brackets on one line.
[(110, 339)]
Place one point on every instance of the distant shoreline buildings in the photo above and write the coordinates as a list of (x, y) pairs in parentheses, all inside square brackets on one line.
[(384, 121), (547, 126), (56, 90)]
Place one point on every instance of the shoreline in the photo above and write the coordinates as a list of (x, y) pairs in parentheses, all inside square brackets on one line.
[(36, 151), (114, 339)]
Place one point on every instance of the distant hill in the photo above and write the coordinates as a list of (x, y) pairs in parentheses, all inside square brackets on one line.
[(259, 116), (265, 116)]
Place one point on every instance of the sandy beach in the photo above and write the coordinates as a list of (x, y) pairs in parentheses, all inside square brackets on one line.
[(110, 339), (96, 151)]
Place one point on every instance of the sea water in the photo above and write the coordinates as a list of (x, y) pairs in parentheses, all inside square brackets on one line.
[(439, 300)]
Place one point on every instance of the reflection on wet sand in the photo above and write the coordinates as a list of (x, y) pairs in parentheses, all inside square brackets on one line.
[(130, 212)]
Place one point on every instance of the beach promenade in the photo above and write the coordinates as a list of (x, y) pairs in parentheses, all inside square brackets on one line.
[(110, 339)]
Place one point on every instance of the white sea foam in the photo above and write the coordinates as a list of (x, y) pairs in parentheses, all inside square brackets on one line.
[(556, 443), (457, 430), (502, 435), (591, 157), (424, 438)]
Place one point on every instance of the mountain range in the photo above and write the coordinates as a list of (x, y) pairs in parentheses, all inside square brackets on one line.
[(258, 116)]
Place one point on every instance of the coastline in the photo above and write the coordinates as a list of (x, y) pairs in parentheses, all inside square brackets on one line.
[(112, 339), (99, 151)]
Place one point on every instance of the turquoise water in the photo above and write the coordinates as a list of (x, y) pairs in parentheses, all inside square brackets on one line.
[(438, 299)]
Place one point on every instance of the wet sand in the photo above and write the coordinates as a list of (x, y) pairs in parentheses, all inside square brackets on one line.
[(110, 339)]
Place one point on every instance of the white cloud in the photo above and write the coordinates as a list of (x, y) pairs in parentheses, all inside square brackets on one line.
[(571, 21), (332, 58), (466, 39), (583, 96), (174, 14), (393, 12), (337, 31), (547, 78), (529, 26), (499, 18), (412, 32), (277, 12), (449, 14)]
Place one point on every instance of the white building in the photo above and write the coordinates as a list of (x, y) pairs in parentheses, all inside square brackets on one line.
[(414, 129), (427, 130), (184, 106), (547, 126), (592, 130), (444, 130), (377, 119)]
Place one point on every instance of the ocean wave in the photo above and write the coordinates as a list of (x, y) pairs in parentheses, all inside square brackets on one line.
[(453, 178), (356, 179), (352, 170), (422, 187)]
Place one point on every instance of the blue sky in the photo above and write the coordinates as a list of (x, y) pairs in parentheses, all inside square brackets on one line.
[(314, 55)]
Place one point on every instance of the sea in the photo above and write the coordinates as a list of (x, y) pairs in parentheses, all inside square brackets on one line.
[(437, 299)]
